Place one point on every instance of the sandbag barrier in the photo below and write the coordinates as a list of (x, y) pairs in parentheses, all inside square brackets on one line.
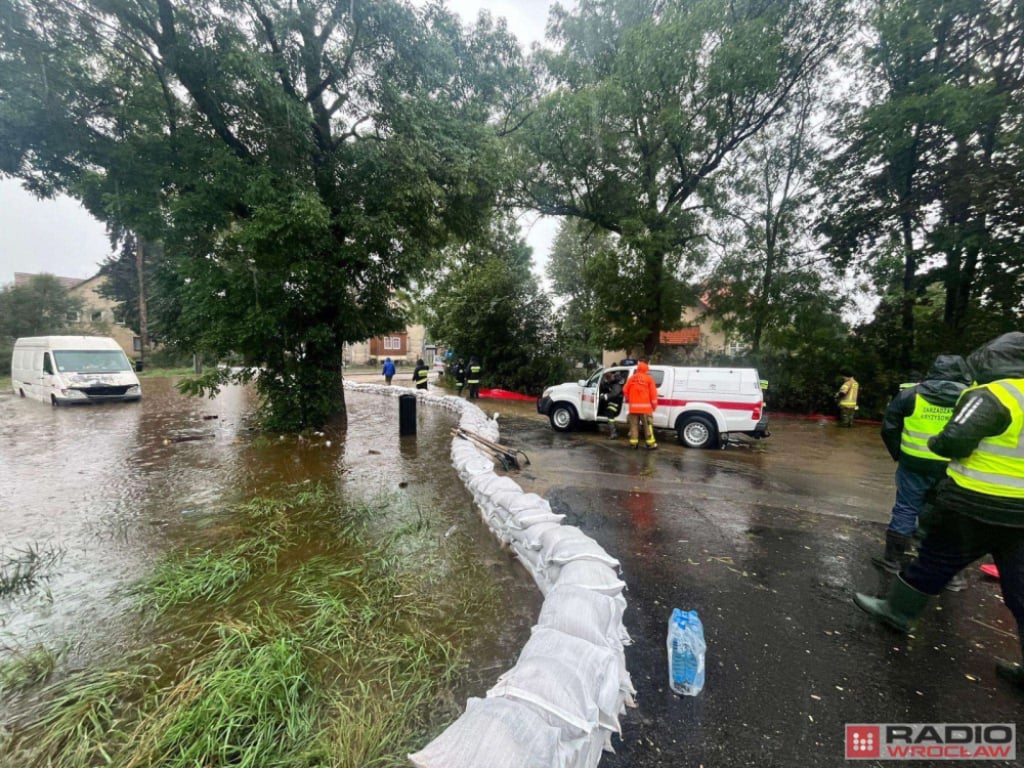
[(560, 704)]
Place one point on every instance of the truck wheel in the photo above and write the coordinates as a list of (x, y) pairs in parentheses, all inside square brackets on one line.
[(563, 418), (698, 432)]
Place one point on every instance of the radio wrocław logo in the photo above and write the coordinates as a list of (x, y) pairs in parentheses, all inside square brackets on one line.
[(931, 741)]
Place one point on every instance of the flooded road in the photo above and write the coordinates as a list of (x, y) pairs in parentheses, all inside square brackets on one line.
[(105, 491)]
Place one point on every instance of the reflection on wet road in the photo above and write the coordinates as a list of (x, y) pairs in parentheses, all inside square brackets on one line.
[(768, 541)]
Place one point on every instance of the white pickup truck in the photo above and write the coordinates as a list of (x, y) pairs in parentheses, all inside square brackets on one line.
[(703, 405)]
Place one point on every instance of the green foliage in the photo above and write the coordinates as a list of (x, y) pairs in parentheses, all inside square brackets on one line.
[(298, 163), (488, 304), (39, 307), (649, 99), (928, 167)]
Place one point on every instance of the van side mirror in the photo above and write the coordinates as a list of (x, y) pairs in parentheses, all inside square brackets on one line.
[(582, 382)]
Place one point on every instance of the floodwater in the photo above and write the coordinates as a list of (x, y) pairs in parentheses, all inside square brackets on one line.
[(104, 491)]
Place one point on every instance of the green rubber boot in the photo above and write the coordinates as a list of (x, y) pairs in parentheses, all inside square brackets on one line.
[(1011, 673), (899, 609)]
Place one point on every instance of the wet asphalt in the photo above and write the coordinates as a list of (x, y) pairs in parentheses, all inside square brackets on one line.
[(768, 542)]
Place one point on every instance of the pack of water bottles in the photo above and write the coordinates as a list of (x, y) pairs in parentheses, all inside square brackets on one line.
[(686, 650)]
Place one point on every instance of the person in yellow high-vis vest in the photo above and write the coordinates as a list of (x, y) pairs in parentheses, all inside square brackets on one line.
[(979, 506), (917, 413), (847, 399)]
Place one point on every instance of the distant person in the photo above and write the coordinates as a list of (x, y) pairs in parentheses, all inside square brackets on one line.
[(388, 371), (420, 374), (641, 394), (460, 374), (979, 506), (847, 399), (473, 378), (916, 414), (611, 400)]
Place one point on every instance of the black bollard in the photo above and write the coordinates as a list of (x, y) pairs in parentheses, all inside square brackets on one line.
[(406, 415)]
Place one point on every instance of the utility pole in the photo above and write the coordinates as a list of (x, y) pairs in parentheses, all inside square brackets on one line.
[(143, 326)]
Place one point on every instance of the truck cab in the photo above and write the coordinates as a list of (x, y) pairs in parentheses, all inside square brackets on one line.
[(703, 405)]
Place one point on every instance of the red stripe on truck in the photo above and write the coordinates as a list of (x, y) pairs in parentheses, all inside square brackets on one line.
[(722, 405)]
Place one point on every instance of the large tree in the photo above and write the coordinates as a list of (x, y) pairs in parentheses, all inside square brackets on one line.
[(39, 307), (488, 303), (299, 160), (649, 98), (930, 165)]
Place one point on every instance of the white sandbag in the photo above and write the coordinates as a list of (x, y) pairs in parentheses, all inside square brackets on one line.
[(570, 543), (555, 690), (530, 501), (589, 672), (583, 613), (526, 518), (589, 574), (529, 536), (497, 733)]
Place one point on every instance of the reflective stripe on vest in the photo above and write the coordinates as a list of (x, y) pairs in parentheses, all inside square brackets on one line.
[(422, 375), (926, 421), (996, 467), (850, 398), (474, 374)]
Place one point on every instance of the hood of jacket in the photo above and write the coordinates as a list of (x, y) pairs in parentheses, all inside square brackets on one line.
[(1001, 358), (642, 367), (945, 380)]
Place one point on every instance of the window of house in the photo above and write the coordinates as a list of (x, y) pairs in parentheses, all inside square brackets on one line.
[(137, 343), (736, 348), (74, 317), (392, 342), (97, 316)]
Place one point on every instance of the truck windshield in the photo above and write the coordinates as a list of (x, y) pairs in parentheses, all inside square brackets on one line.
[(91, 361)]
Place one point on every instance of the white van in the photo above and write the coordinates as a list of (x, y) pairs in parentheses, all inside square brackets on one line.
[(702, 405), (62, 370)]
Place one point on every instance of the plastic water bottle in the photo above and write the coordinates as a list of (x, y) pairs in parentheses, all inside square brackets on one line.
[(686, 649)]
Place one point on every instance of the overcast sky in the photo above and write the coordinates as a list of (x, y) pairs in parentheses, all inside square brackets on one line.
[(60, 237)]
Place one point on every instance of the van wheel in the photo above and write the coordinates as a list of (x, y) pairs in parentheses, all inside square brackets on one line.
[(53, 401), (698, 432), (563, 418)]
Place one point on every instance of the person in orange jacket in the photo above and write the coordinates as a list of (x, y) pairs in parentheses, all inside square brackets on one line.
[(641, 393)]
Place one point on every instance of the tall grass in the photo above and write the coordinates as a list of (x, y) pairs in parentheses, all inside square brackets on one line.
[(23, 569), (302, 642)]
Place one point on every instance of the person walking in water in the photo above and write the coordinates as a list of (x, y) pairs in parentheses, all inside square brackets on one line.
[(420, 374), (916, 414), (979, 506), (388, 371), (641, 394), (847, 399)]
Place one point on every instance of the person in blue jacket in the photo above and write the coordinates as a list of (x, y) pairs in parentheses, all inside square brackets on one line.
[(388, 370)]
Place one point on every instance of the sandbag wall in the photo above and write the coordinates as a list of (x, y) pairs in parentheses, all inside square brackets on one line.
[(560, 704)]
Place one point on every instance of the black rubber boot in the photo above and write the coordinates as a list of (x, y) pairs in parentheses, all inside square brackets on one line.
[(1011, 673), (899, 609), (895, 556)]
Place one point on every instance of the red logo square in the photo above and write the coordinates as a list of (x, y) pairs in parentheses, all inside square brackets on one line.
[(863, 742)]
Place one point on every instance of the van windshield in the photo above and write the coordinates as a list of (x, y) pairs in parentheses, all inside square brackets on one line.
[(91, 361)]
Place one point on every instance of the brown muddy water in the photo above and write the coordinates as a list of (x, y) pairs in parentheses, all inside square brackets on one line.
[(105, 491)]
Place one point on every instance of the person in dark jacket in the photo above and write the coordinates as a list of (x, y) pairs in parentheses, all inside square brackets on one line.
[(473, 372), (917, 413), (611, 400), (420, 374), (979, 505)]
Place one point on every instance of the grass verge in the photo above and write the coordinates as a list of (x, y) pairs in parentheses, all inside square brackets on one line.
[(295, 643)]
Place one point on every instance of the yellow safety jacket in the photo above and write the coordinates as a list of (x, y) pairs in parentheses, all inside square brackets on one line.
[(848, 393), (996, 466), (474, 374), (926, 421)]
